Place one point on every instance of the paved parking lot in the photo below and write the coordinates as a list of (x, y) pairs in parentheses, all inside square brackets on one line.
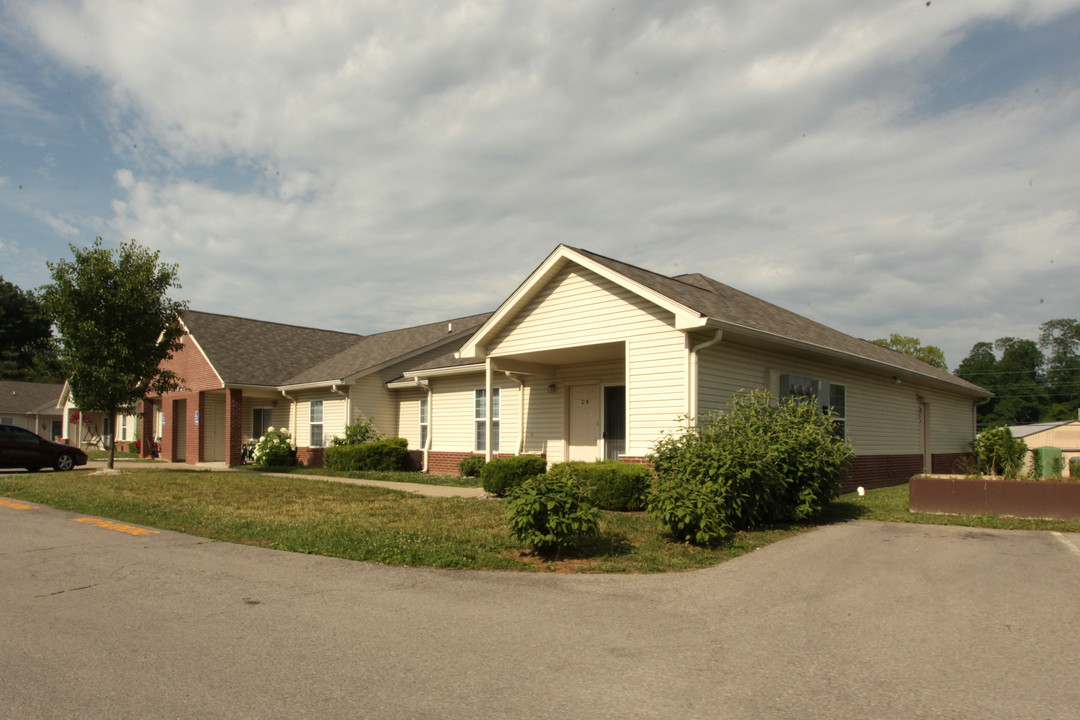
[(863, 619)]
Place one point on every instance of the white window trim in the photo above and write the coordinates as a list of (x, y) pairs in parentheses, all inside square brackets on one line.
[(424, 413), (479, 410), (313, 423)]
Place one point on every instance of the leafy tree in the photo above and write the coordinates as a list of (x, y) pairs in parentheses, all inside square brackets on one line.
[(1060, 341), (116, 325), (25, 335), (929, 354)]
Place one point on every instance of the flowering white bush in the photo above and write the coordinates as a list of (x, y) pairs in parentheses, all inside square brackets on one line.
[(275, 449)]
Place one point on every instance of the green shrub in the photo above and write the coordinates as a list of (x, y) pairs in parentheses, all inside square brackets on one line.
[(274, 449), (999, 453), (609, 484), (1074, 469), (389, 454), (471, 466), (360, 432), (756, 463), (550, 512), (502, 475)]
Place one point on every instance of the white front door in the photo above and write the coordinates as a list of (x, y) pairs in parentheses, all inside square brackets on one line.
[(584, 419)]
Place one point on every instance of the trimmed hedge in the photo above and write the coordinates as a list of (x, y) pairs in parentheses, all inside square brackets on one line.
[(501, 475), (389, 454), (609, 484), (471, 466)]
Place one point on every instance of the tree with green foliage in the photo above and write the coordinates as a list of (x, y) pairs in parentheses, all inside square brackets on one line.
[(1015, 377), (998, 452), (929, 354), (1060, 342), (116, 325), (26, 349)]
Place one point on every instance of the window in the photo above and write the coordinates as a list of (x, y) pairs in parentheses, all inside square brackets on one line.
[(316, 423), (423, 422), (7, 421), (480, 421), (829, 396), (123, 427), (261, 419)]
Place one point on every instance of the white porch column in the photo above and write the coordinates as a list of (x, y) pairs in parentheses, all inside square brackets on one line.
[(487, 409)]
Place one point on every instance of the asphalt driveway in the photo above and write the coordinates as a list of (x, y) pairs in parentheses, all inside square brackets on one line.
[(862, 619)]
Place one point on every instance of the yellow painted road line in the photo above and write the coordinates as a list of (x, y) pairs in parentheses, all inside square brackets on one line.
[(118, 527), (16, 506)]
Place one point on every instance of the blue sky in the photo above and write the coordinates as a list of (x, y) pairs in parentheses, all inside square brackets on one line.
[(879, 167)]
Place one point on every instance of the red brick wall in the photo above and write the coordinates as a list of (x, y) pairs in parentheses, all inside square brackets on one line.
[(196, 375), (309, 456), (445, 463)]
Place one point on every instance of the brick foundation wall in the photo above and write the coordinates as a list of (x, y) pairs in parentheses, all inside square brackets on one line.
[(441, 462), (952, 463), (309, 456), (637, 460)]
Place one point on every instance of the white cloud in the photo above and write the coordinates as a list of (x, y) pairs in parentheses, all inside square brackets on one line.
[(367, 165)]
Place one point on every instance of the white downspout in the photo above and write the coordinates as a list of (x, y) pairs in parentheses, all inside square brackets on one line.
[(426, 387), (521, 412), (348, 403), (692, 379), (292, 414)]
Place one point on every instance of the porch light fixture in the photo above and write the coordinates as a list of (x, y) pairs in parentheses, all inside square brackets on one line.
[(552, 387), (896, 379)]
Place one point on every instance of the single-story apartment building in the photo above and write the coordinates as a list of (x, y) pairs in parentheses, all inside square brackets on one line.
[(32, 405), (589, 358)]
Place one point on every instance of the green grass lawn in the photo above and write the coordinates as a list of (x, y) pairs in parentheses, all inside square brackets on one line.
[(300, 514)]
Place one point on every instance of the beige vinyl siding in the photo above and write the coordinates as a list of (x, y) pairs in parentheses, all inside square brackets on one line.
[(333, 416), (883, 418), (579, 308), (280, 412), (452, 413), (408, 416), (370, 398), (951, 422)]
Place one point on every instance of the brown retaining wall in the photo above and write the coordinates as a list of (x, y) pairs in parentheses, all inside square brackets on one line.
[(967, 496)]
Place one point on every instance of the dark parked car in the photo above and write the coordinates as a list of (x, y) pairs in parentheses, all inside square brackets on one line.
[(21, 448)]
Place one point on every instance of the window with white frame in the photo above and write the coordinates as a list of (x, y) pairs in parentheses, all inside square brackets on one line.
[(123, 427), (423, 422), (480, 419), (316, 420), (828, 395), (261, 420)]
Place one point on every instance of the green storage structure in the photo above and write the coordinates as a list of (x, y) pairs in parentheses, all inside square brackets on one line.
[(1048, 462)]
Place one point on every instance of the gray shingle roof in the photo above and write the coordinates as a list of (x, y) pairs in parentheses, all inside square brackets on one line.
[(376, 350), (725, 304), (256, 352), (28, 398)]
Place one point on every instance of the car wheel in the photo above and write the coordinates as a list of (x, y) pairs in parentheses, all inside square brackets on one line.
[(64, 461)]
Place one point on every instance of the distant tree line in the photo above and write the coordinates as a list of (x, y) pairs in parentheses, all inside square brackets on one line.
[(1032, 381)]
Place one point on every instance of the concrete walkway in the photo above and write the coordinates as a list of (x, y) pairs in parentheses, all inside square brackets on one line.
[(415, 488)]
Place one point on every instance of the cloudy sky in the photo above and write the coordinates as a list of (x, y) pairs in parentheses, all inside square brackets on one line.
[(881, 166)]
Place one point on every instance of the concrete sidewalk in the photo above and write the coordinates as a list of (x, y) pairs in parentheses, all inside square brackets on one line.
[(415, 488)]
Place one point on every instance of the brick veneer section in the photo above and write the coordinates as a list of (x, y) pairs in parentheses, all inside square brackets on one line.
[(309, 456), (234, 409), (445, 463)]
